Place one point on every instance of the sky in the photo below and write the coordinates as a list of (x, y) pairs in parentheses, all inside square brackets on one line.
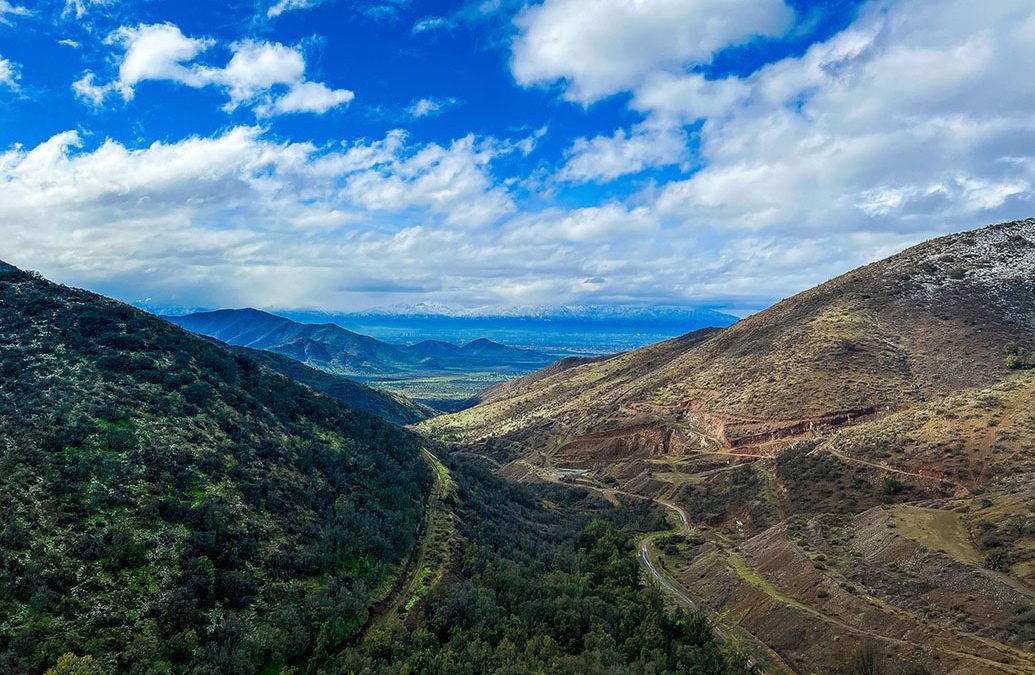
[(500, 154)]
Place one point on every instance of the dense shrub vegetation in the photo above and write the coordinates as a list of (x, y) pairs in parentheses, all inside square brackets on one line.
[(168, 506), (545, 589), (1018, 358), (392, 407)]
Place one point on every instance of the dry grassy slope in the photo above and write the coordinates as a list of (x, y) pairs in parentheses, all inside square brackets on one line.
[(926, 322), (504, 389), (566, 396), (972, 439), (904, 578), (912, 528)]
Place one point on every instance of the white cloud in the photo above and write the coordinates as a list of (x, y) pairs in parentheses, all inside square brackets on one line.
[(451, 182), (205, 214), (426, 107), (431, 23), (609, 222), (87, 89), (8, 74), (916, 118), (157, 52), (604, 158), (680, 99), (7, 10), (270, 77), (255, 68), (239, 219), (282, 6), (601, 47), (914, 121), (311, 97)]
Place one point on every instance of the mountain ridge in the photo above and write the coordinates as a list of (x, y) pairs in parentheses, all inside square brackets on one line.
[(578, 311), (332, 347), (169, 505), (876, 327), (856, 463)]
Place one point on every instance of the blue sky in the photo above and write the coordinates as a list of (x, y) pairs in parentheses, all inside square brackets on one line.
[(299, 154)]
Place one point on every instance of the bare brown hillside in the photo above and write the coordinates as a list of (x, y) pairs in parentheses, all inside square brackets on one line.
[(855, 464), (924, 323)]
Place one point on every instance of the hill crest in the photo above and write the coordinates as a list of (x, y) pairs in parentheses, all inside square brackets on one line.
[(921, 324)]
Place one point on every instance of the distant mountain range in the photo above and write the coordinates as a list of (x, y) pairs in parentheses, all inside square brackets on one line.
[(711, 317), (337, 350), (561, 332)]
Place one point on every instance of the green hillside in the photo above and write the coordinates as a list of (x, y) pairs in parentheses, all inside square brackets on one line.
[(169, 506), (395, 408)]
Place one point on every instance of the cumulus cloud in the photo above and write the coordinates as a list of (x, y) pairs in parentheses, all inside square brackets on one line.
[(8, 10), (157, 52), (427, 107), (283, 6), (269, 77), (451, 182), (309, 97), (601, 47), (680, 99), (240, 219), (914, 121), (670, 102), (604, 158), (8, 74), (186, 213), (917, 117)]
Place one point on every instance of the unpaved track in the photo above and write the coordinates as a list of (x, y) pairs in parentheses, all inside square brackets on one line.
[(388, 608), (668, 587)]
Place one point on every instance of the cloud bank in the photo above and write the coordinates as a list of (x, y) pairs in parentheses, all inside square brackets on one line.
[(916, 119), (268, 77)]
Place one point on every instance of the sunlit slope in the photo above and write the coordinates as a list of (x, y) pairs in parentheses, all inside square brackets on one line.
[(929, 321)]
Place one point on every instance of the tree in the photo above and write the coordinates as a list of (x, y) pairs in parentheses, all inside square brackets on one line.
[(70, 664)]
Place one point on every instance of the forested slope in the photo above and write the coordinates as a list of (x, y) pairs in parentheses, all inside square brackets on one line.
[(169, 506), (393, 407)]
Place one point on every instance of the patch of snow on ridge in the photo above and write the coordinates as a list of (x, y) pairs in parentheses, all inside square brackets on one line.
[(1000, 259)]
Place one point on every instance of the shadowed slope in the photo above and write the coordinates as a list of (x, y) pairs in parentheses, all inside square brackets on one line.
[(167, 505), (392, 407)]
